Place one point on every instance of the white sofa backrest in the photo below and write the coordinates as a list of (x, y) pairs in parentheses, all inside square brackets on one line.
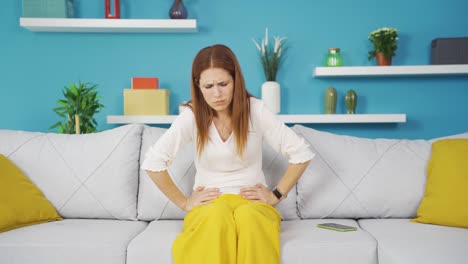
[(274, 165), (153, 204), (84, 176), (352, 177)]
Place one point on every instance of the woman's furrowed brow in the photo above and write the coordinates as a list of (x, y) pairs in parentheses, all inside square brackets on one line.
[(213, 82)]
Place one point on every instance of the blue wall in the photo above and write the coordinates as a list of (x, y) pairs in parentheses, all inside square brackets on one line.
[(34, 67)]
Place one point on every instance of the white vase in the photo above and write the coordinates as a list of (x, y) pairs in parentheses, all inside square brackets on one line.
[(271, 96)]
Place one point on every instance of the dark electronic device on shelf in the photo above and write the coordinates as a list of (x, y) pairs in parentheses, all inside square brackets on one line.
[(449, 51)]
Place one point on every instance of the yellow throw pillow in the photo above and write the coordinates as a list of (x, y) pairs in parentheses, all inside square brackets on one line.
[(21, 202), (445, 201)]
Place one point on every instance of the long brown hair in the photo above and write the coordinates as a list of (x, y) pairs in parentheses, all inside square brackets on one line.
[(220, 56)]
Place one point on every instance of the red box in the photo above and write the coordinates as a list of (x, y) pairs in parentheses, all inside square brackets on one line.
[(145, 83)]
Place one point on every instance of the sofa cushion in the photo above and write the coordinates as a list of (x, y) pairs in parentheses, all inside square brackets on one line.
[(153, 204), (274, 165), (301, 242), (461, 135), (355, 177), (71, 241), (84, 176), (445, 200), (403, 242), (154, 244), (21, 202)]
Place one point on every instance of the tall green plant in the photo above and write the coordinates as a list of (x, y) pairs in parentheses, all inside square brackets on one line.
[(78, 108), (271, 56)]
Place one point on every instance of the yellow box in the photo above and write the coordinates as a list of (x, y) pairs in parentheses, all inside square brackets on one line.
[(146, 102)]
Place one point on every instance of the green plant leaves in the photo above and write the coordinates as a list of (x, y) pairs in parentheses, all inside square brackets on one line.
[(81, 99), (383, 40), (271, 56)]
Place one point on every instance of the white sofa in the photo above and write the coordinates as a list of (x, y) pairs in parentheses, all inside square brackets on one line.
[(114, 214)]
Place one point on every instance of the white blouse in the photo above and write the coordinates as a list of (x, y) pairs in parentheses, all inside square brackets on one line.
[(219, 165)]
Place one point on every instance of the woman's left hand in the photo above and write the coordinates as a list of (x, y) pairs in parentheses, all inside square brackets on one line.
[(259, 193)]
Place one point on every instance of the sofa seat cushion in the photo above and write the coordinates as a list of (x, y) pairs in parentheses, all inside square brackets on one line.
[(403, 242), (301, 242), (69, 241), (154, 244)]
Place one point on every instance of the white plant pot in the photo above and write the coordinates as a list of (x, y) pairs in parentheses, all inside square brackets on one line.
[(271, 96)]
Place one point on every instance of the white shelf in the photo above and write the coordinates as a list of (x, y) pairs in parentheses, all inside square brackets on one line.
[(289, 119), (143, 119), (109, 25), (343, 118), (363, 71)]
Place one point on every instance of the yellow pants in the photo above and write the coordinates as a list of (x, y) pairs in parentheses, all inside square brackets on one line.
[(231, 230)]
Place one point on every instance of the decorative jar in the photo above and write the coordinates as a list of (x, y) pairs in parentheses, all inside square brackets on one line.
[(330, 100), (334, 58), (351, 101)]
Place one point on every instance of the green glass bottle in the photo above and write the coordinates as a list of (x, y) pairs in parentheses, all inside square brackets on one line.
[(334, 58)]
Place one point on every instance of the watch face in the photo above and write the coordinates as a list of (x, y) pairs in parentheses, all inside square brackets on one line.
[(277, 193)]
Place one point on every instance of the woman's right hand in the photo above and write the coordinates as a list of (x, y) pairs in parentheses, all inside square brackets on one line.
[(201, 196)]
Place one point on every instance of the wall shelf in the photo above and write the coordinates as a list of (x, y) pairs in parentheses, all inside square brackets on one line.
[(289, 119), (369, 71), (109, 25)]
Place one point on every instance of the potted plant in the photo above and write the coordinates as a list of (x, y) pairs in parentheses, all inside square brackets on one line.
[(271, 58), (384, 41), (78, 107)]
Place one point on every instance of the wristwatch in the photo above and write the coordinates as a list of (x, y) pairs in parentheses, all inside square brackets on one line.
[(277, 193)]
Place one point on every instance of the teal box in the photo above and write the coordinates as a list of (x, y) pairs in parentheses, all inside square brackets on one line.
[(48, 8)]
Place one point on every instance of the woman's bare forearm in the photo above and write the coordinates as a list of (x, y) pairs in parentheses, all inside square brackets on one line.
[(291, 176), (168, 187)]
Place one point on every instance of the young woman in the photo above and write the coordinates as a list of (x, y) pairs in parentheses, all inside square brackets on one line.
[(231, 215)]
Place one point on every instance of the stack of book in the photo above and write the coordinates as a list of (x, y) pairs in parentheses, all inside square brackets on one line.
[(146, 98)]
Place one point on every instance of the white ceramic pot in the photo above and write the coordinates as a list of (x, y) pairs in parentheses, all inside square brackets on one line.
[(271, 96)]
